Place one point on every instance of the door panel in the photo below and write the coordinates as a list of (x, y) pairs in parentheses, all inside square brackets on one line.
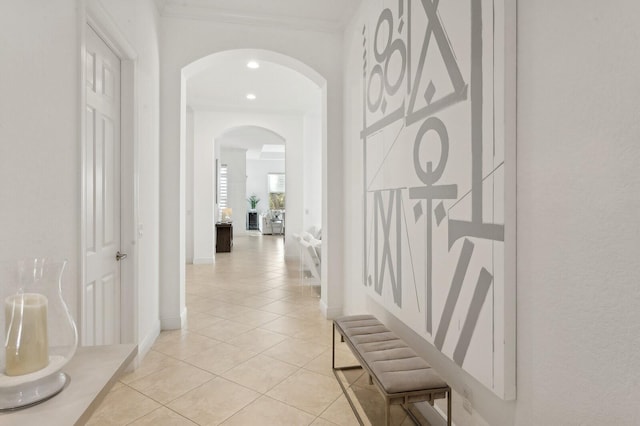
[(101, 292)]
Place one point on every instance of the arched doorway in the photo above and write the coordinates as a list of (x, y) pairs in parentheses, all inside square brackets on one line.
[(170, 291)]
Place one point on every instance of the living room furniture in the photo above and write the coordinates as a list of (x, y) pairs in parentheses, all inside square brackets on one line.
[(279, 224), (310, 257), (224, 237), (272, 222)]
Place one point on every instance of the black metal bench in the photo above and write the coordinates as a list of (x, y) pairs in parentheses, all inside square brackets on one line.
[(399, 374)]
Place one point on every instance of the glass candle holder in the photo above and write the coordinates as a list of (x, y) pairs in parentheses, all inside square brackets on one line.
[(38, 332)]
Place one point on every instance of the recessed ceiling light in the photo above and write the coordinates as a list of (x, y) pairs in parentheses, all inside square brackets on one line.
[(251, 96), (253, 65)]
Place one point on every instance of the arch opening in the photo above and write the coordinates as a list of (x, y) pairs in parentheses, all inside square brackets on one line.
[(208, 121)]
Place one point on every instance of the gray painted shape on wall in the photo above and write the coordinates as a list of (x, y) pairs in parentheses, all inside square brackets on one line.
[(429, 192), (417, 211), (429, 177), (396, 46), (396, 115), (409, 38), (385, 16), (413, 268), (486, 231), (476, 111), (479, 296), (436, 106), (434, 192), (454, 293), (384, 56), (395, 197), (397, 289), (373, 106), (435, 29), (476, 227), (430, 92), (440, 213)]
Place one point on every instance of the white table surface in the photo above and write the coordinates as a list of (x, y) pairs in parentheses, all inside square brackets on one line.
[(93, 371)]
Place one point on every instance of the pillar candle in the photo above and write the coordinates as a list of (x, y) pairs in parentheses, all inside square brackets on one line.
[(26, 344)]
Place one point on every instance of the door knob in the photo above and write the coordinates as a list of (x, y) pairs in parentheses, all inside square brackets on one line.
[(120, 256)]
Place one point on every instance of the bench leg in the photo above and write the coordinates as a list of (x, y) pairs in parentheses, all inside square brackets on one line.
[(370, 380), (387, 414), (333, 348), (449, 407)]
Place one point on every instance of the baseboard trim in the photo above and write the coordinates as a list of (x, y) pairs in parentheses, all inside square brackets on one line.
[(203, 261), (434, 414), (330, 313), (174, 323), (183, 317), (144, 346)]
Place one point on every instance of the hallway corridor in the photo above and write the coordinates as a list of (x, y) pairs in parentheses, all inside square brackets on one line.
[(256, 351)]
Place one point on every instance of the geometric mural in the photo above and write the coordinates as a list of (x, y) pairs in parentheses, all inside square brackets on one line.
[(436, 189)]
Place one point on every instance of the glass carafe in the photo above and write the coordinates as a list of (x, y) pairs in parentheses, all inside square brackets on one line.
[(38, 332)]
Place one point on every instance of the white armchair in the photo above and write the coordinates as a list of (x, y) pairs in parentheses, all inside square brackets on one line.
[(272, 222), (311, 255)]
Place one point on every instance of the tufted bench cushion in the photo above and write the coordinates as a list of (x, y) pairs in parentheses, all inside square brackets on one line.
[(399, 372)]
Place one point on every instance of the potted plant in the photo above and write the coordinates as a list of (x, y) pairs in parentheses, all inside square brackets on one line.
[(253, 200)]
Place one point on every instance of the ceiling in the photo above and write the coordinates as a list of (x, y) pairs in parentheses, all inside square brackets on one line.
[(323, 15), (227, 81), (224, 85)]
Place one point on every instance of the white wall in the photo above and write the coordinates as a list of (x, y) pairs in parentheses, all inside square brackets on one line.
[(189, 183), (578, 205), (40, 161), (312, 186), (203, 207), (39, 135), (185, 41), (257, 171), (577, 263)]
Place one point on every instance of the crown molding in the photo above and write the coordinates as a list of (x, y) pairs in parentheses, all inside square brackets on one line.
[(169, 9)]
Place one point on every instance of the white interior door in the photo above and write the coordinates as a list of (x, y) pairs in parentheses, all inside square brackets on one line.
[(101, 289)]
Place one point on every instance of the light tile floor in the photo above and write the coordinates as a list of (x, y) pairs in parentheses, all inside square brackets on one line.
[(256, 351)]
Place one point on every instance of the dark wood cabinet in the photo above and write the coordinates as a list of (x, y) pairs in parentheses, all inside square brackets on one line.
[(224, 237)]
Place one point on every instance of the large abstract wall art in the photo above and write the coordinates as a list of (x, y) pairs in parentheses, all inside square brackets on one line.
[(438, 135)]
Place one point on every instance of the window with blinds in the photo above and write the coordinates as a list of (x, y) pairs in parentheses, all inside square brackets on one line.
[(223, 190)]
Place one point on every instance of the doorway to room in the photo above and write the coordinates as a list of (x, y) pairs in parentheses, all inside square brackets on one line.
[(107, 294), (265, 127), (251, 180), (201, 123)]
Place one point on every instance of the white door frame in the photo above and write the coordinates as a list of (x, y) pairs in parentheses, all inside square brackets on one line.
[(101, 22)]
